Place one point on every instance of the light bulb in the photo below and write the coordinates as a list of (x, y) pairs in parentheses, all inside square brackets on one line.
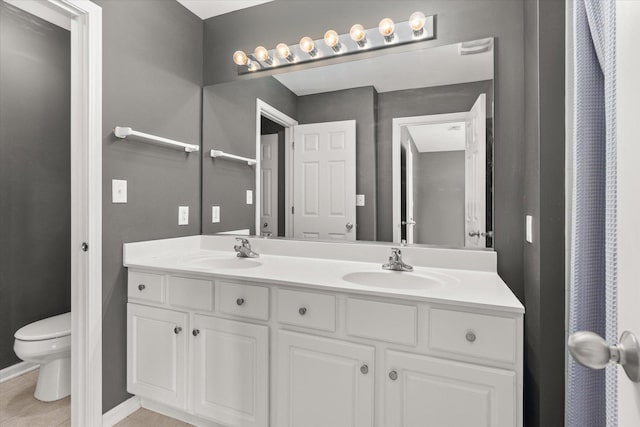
[(416, 22), (262, 54), (283, 52), (386, 27), (307, 45), (358, 35), (240, 58), (331, 38)]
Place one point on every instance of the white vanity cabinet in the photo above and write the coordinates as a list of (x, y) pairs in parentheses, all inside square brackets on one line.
[(324, 382), (241, 353), (157, 354)]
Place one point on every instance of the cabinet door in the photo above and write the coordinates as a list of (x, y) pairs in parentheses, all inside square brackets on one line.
[(231, 372), (156, 354), (423, 391), (323, 382)]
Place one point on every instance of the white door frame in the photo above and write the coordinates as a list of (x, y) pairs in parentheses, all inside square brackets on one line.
[(85, 23), (265, 110), (396, 141)]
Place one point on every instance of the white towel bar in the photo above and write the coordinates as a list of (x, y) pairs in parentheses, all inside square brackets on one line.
[(223, 155), (123, 132)]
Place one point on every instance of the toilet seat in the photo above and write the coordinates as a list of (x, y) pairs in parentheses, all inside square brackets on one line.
[(46, 329)]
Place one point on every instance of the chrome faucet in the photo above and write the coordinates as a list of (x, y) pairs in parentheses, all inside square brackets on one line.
[(244, 248), (395, 262)]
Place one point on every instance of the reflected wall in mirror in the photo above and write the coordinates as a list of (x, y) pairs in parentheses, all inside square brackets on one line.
[(395, 147)]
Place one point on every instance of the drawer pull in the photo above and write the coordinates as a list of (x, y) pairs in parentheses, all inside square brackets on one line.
[(177, 330), (302, 311), (196, 332), (364, 369), (240, 301), (470, 336), (393, 375), (141, 286)]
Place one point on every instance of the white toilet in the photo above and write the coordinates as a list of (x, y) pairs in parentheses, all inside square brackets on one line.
[(48, 343)]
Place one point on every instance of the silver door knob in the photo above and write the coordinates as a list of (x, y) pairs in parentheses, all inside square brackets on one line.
[(141, 287), (302, 311), (177, 330), (470, 336), (196, 332), (240, 301), (349, 226), (591, 350), (476, 233), (364, 369), (393, 375)]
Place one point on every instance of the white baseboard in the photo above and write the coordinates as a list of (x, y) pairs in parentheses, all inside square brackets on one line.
[(16, 370), (120, 412), (176, 414)]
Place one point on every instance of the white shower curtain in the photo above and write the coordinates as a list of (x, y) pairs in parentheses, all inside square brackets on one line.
[(591, 394)]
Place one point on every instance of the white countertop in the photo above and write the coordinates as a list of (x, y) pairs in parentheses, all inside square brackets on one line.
[(470, 288)]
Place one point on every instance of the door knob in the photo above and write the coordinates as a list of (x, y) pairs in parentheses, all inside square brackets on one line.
[(364, 369), (141, 287), (302, 311), (591, 350), (177, 330), (475, 233), (195, 332), (393, 375), (349, 226), (240, 301)]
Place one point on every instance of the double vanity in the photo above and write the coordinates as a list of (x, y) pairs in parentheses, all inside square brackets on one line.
[(319, 334)]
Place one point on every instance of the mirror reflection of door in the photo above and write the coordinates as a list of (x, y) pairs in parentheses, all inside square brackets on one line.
[(269, 181), (324, 181), (443, 178)]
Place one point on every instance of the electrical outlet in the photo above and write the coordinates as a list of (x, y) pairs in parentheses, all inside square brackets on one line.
[(215, 214), (183, 215), (118, 191), (359, 199), (249, 197)]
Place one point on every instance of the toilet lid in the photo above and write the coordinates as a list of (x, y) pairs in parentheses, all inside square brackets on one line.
[(45, 329)]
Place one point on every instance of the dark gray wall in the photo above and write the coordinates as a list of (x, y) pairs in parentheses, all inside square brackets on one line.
[(152, 78), (416, 102), (229, 124), (35, 181), (357, 104), (440, 201), (544, 272)]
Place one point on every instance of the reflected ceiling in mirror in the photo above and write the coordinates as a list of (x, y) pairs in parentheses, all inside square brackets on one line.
[(393, 147)]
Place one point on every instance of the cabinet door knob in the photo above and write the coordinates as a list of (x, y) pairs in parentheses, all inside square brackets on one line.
[(470, 336), (141, 286), (240, 301), (364, 369), (196, 332), (393, 375), (302, 311), (177, 330)]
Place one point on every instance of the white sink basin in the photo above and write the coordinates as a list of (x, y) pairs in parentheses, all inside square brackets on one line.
[(223, 262), (394, 279)]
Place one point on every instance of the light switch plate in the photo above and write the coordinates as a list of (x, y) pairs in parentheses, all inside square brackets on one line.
[(249, 197), (118, 191), (359, 199), (183, 215), (529, 229), (215, 214)]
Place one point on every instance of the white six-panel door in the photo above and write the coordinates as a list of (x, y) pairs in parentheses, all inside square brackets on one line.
[(324, 184), (628, 146), (269, 181), (475, 196), (323, 382)]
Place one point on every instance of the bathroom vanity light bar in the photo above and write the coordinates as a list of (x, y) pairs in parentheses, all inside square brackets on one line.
[(418, 28), (123, 132), (223, 155)]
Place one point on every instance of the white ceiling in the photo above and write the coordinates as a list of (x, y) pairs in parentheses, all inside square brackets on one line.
[(205, 9), (437, 66), (438, 137)]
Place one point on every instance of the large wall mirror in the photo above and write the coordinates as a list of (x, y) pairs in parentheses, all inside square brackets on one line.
[(395, 147)]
